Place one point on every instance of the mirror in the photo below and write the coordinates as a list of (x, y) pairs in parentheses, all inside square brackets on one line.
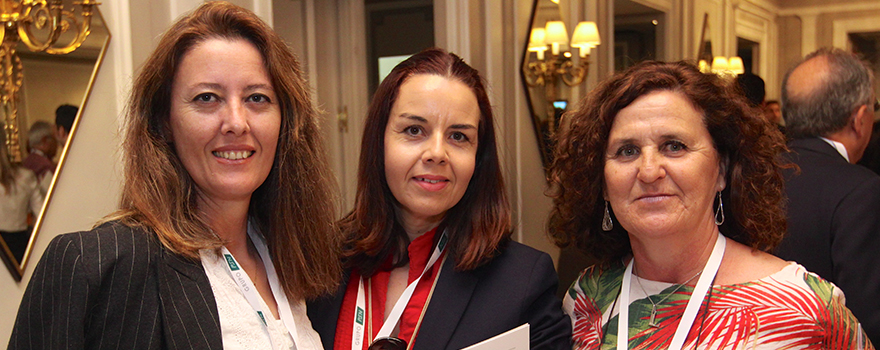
[(47, 81), (704, 53), (547, 95), (638, 34)]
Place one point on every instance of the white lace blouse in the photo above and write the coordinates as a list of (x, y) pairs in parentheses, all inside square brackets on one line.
[(241, 326)]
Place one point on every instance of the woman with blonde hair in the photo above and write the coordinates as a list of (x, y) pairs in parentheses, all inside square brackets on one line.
[(223, 229)]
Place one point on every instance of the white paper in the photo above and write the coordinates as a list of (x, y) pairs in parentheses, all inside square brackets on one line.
[(514, 339)]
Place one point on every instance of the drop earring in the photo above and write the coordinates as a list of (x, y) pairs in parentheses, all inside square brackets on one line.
[(607, 224), (719, 213)]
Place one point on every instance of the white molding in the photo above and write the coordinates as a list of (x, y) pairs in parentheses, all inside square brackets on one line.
[(809, 26), (123, 60), (750, 26), (765, 6), (263, 9), (868, 5), (311, 43), (842, 27), (352, 92), (176, 8), (659, 5), (756, 24), (756, 10), (452, 27)]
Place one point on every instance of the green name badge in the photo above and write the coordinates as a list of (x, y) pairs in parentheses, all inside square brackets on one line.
[(231, 261)]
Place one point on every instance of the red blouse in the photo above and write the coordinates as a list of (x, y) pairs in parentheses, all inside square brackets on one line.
[(419, 252)]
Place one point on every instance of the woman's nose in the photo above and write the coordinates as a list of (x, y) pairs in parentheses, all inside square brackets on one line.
[(235, 119), (651, 168), (435, 150)]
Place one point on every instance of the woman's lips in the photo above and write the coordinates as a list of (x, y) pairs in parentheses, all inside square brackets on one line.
[(431, 183), (233, 155), (652, 198)]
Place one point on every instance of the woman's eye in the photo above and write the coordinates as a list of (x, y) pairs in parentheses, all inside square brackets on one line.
[(258, 98), (206, 97), (459, 136), (412, 130), (628, 151), (675, 146)]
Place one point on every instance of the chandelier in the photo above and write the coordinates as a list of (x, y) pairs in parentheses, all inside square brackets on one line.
[(548, 71), (39, 25)]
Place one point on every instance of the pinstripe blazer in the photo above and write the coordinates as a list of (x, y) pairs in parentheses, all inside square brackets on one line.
[(116, 287)]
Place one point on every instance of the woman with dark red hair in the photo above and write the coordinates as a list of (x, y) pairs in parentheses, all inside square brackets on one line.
[(428, 250)]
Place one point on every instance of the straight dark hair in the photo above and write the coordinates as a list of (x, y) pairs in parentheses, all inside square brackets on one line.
[(292, 208), (477, 226)]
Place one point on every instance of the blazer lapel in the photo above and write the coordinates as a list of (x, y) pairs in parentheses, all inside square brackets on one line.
[(447, 305), (189, 310)]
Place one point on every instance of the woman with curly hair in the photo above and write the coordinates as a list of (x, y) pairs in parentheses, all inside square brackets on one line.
[(642, 169)]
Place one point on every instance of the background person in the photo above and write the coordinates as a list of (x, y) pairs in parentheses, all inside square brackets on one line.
[(638, 178), (429, 178), (65, 115), (43, 146), (224, 174), (833, 204), (19, 195)]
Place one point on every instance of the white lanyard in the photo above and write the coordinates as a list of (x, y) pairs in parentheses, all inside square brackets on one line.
[(246, 286), (693, 305), (393, 317)]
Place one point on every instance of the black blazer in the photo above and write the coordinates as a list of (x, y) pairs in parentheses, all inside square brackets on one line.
[(516, 287), (116, 287), (834, 225)]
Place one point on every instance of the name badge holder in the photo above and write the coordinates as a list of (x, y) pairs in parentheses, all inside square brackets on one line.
[(396, 312), (246, 286), (693, 305)]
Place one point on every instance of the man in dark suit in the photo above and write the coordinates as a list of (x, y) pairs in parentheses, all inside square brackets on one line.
[(834, 205)]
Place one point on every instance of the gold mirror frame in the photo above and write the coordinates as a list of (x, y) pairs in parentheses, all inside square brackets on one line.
[(543, 123), (16, 268)]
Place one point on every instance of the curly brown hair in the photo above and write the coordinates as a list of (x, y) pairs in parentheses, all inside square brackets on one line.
[(749, 143)]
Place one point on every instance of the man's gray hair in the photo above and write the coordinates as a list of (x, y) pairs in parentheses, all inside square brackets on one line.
[(39, 129), (825, 109)]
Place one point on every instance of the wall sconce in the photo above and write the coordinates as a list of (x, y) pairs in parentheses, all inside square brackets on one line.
[(39, 25), (547, 70), (723, 66)]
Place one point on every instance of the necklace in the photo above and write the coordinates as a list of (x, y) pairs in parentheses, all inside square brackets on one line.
[(654, 305)]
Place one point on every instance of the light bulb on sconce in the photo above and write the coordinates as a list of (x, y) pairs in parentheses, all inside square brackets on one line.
[(554, 37), (557, 36), (735, 65), (704, 67), (547, 70), (724, 67), (585, 37), (537, 42)]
